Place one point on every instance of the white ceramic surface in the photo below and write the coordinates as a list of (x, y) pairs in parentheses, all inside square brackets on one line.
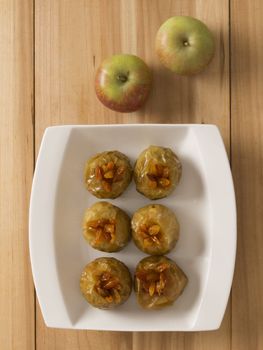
[(204, 203)]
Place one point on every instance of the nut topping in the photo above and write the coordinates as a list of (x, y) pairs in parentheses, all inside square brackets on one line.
[(154, 230), (152, 289), (158, 176), (153, 281), (108, 174), (151, 234), (108, 287), (104, 230)]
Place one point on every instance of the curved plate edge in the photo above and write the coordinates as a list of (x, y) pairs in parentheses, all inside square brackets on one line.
[(223, 207), (41, 242)]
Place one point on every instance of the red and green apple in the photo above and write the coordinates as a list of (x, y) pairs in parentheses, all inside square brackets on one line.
[(185, 45), (123, 82)]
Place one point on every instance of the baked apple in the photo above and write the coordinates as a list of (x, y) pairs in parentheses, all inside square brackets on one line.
[(155, 229), (157, 172), (108, 174), (159, 281), (106, 283), (106, 227)]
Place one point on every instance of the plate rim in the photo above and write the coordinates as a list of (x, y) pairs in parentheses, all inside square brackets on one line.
[(203, 133)]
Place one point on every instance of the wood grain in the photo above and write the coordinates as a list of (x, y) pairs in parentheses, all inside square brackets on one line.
[(72, 38), (247, 156), (16, 168)]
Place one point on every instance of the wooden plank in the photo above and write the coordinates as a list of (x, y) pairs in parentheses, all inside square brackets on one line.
[(247, 155), (66, 49), (72, 37), (16, 169)]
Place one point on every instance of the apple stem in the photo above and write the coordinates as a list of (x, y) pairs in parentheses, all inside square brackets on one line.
[(122, 78), (186, 43)]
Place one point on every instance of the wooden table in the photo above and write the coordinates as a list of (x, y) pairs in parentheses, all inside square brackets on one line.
[(49, 50)]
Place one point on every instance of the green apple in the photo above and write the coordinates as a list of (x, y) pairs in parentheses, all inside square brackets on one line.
[(123, 82), (184, 45)]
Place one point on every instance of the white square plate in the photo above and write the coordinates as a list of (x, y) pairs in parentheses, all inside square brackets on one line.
[(204, 203)]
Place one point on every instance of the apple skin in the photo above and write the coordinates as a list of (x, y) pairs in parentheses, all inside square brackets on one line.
[(184, 45), (123, 82)]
